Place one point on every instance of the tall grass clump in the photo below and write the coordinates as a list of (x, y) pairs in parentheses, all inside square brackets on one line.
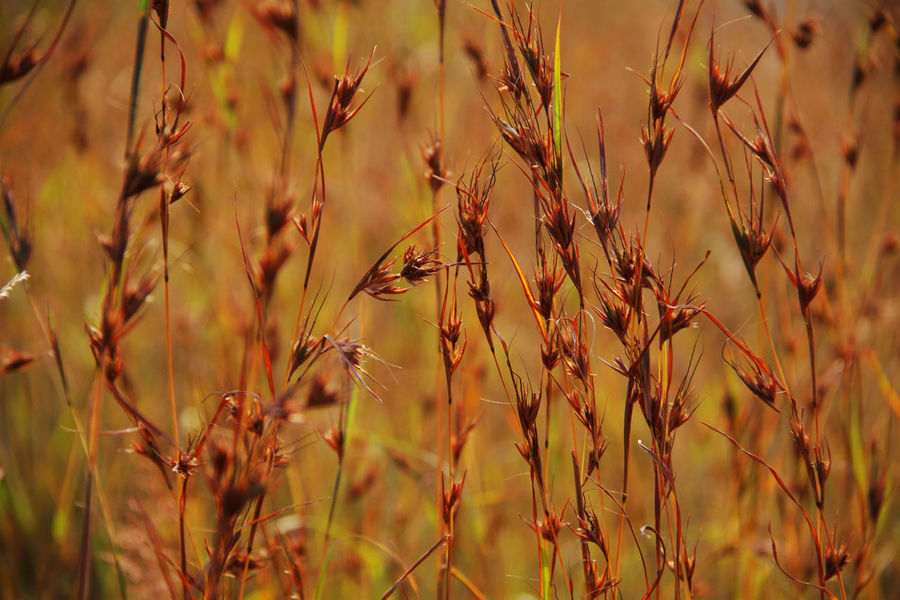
[(498, 299)]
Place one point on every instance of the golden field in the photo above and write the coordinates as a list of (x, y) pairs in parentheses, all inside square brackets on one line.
[(352, 299)]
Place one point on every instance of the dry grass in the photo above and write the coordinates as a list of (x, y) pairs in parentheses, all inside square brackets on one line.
[(359, 299)]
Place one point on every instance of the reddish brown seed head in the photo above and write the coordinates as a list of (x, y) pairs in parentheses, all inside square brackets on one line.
[(179, 191), (850, 152), (406, 84), (656, 144), (18, 66), (450, 499), (435, 175), (549, 280), (590, 530), (147, 446), (835, 560), (550, 527), (474, 50), (380, 282), (808, 287), (271, 262), (278, 16), (463, 425), (419, 266), (161, 8), (320, 393), (757, 377), (878, 20), (304, 348), (184, 465), (756, 8), (889, 244), (722, 85), (528, 404), (574, 350), (805, 33), (484, 305), (661, 99), (550, 351), (334, 437), (341, 108), (452, 344), (134, 295), (613, 313), (13, 360), (302, 226), (473, 201), (16, 227)]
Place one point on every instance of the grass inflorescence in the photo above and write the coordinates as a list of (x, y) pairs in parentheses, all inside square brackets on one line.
[(496, 299)]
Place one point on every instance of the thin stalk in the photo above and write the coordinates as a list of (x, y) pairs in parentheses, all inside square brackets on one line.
[(182, 546), (544, 585), (319, 179), (438, 285), (84, 571), (812, 371), (548, 390), (170, 369), (255, 523), (443, 575), (337, 484), (626, 447)]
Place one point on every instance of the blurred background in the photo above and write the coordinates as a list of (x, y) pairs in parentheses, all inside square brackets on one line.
[(63, 131)]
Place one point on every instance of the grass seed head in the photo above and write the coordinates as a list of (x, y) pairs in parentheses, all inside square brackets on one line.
[(432, 153), (757, 378), (550, 527), (419, 266), (17, 229), (278, 16), (340, 106), (549, 280), (484, 306), (452, 344), (270, 264), (805, 33), (320, 394), (835, 560), (18, 66), (304, 348), (590, 530), (135, 294), (474, 50), (613, 313), (13, 360), (473, 201), (450, 499), (550, 352), (722, 84), (279, 206), (334, 437), (406, 85)]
